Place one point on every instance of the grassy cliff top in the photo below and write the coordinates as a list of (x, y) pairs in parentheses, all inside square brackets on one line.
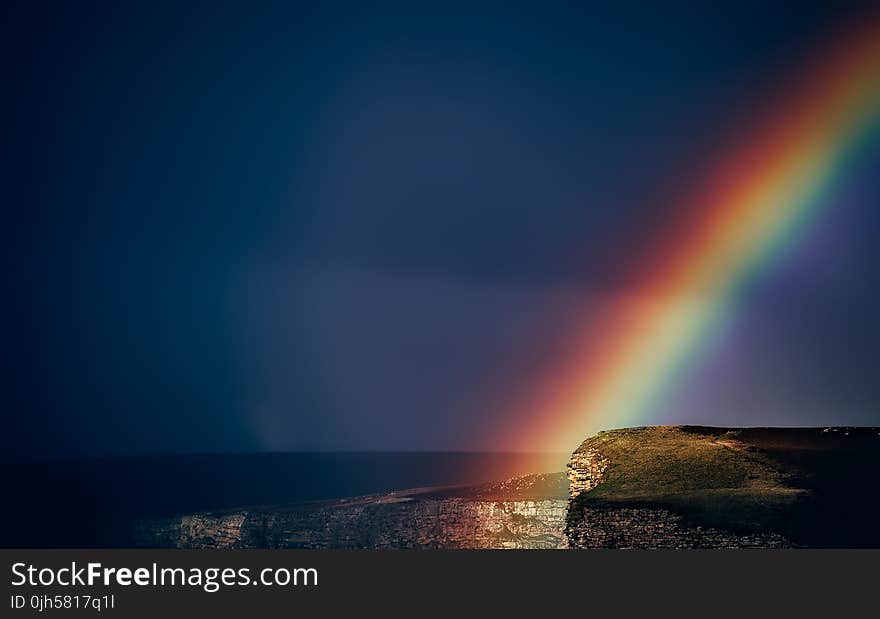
[(749, 479)]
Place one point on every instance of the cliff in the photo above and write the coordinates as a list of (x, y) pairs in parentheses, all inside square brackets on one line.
[(523, 512), (700, 487), (654, 487)]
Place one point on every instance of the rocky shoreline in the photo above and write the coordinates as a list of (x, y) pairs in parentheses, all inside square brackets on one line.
[(521, 513), (653, 487)]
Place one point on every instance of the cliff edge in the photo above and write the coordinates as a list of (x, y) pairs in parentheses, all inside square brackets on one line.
[(706, 487)]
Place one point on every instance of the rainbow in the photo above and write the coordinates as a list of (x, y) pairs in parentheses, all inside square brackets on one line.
[(758, 202)]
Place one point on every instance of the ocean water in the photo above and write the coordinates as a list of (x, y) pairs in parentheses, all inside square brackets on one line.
[(92, 503)]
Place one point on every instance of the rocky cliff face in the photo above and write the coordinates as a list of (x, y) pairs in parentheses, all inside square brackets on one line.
[(585, 470), (521, 513), (696, 487), (657, 529)]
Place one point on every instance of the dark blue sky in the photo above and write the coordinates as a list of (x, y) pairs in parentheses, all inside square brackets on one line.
[(271, 226)]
